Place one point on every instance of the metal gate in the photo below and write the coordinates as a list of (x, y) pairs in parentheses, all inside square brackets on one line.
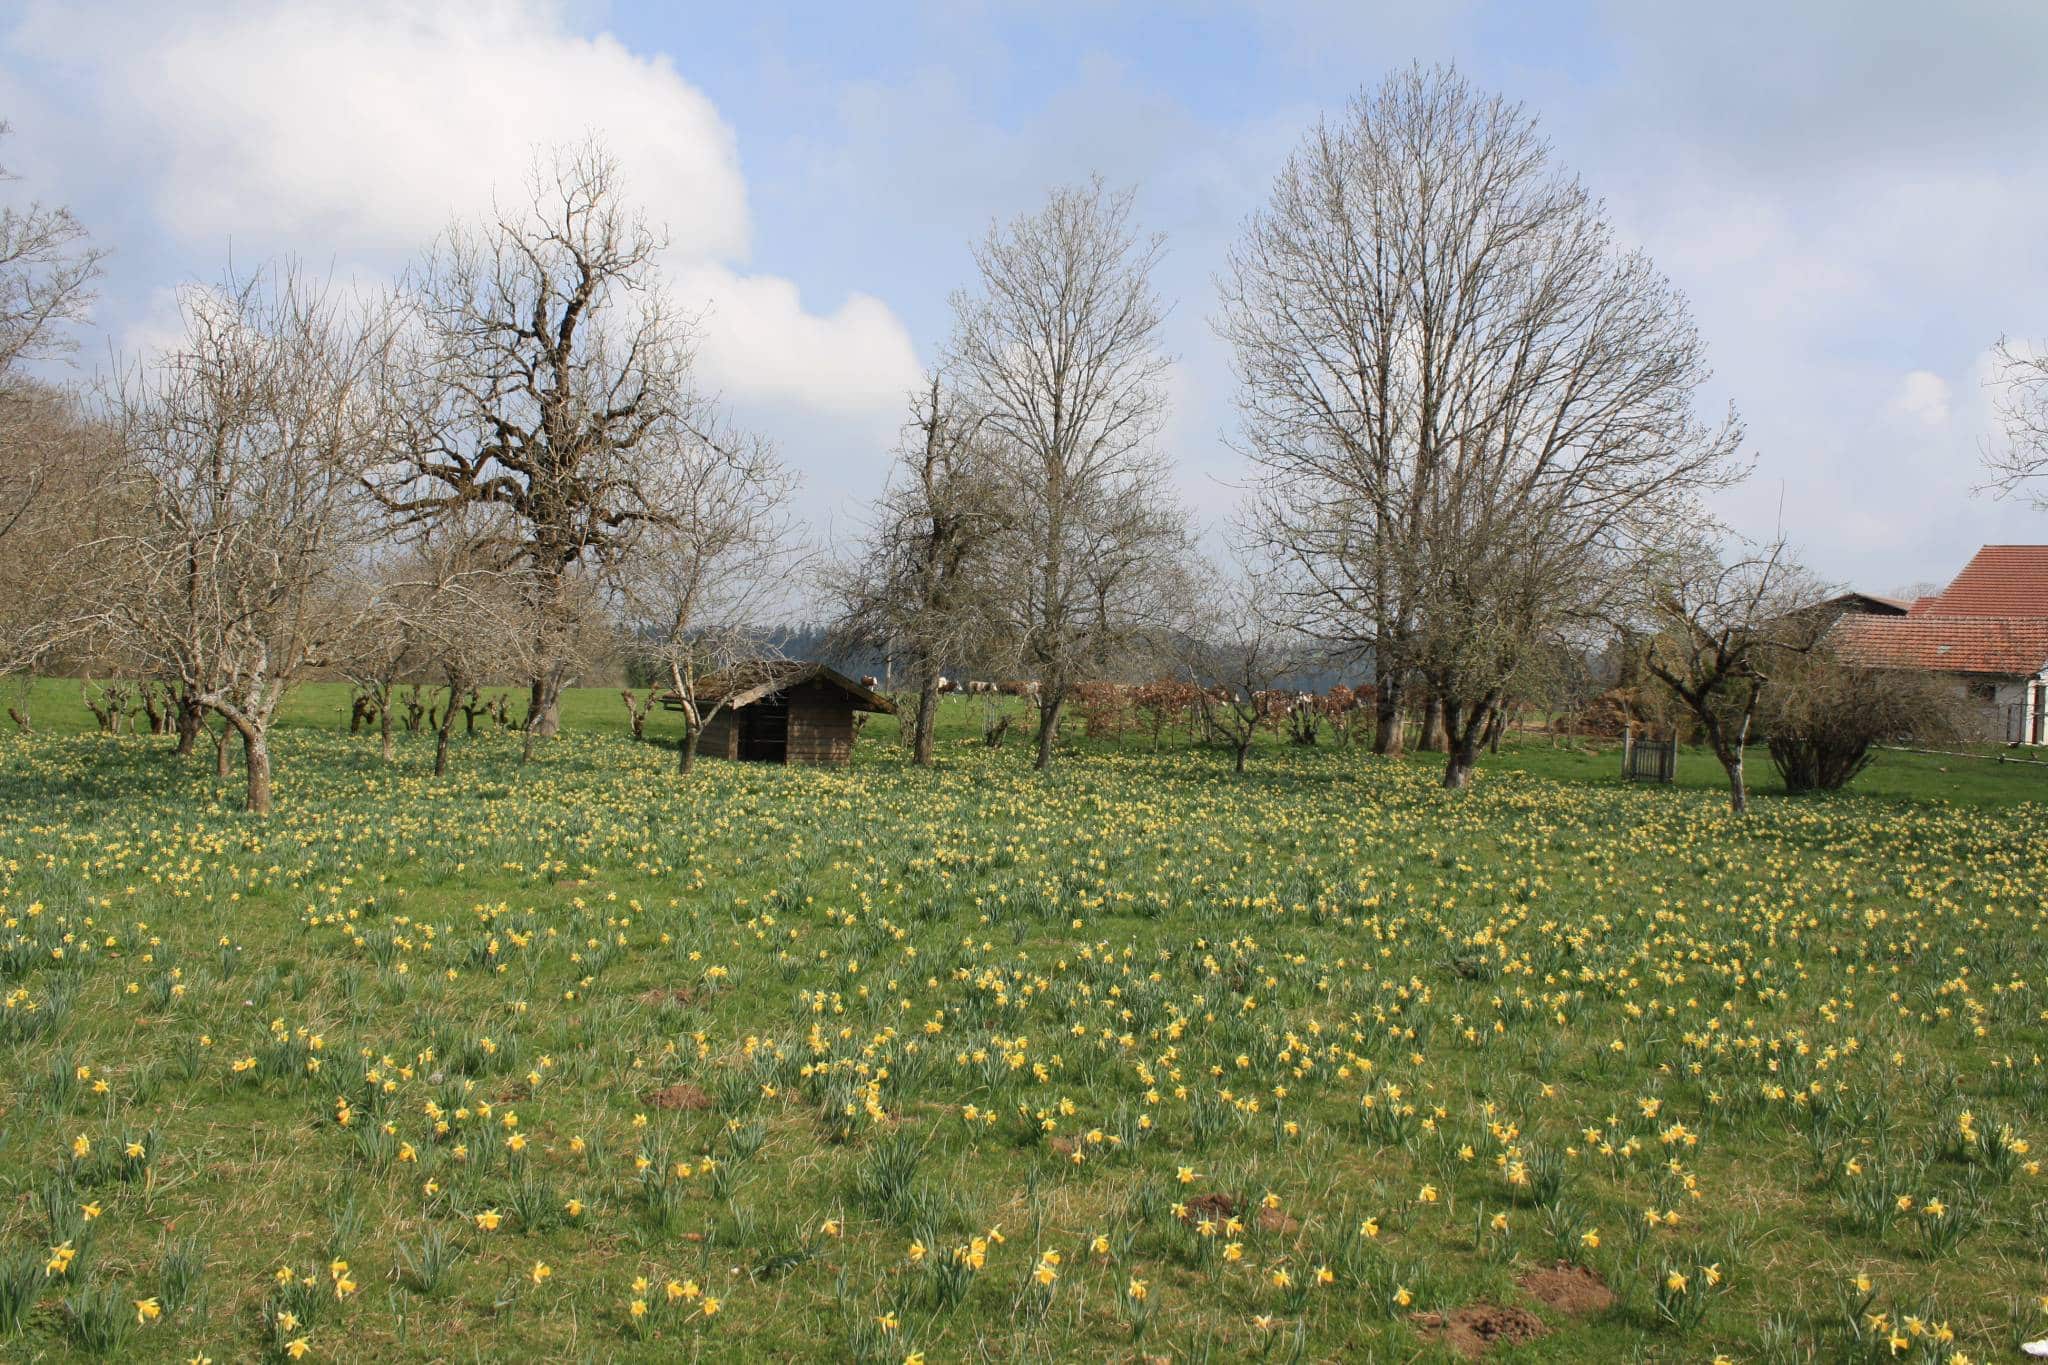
[(1650, 760)]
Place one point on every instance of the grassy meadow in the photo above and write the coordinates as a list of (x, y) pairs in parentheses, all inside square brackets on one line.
[(1131, 1061)]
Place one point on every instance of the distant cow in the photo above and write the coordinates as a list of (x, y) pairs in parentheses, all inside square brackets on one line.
[(871, 683)]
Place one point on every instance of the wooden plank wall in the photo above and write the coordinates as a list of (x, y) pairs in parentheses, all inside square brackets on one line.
[(820, 724), (721, 737)]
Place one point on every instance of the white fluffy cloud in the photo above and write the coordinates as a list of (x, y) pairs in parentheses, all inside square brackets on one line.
[(761, 341), (355, 132), (1923, 396)]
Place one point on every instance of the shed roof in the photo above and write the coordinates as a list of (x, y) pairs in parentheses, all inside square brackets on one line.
[(2011, 648), (746, 687)]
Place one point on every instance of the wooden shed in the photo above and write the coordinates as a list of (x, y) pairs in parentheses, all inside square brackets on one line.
[(792, 712)]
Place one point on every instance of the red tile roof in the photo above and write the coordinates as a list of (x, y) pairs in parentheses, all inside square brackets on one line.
[(2009, 648), (2000, 580)]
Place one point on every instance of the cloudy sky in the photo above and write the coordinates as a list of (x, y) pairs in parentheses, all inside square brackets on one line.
[(1852, 194)]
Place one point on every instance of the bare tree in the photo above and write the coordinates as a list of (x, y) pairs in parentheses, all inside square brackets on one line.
[(244, 451), (47, 269), (1462, 400), (55, 504), (712, 573), (1718, 630), (1235, 649), (2019, 461), (1057, 350), (443, 613), (555, 381), (921, 584)]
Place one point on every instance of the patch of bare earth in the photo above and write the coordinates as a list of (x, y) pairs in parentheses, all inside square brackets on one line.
[(680, 1096), (1477, 1328), (1272, 1220), (680, 998), (1568, 1288), (1217, 1208)]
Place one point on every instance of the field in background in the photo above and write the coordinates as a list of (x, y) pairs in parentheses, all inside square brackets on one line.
[(577, 1059), (1977, 778)]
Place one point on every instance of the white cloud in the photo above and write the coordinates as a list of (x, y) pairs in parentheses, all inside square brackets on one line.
[(367, 126), (356, 132), (760, 343), (1923, 396)]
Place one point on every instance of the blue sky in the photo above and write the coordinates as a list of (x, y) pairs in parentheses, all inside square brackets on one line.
[(1852, 194)]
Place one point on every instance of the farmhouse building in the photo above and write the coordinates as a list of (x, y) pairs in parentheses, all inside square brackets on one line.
[(1988, 629), (787, 712)]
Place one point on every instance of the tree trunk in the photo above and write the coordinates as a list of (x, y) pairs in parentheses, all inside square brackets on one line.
[(220, 753), (1048, 729), (1738, 786), (543, 710), (1434, 739), (1243, 747), (1388, 722), (1494, 728), (384, 741), (256, 757), (927, 720), (1464, 757), (686, 756), (188, 727), (1462, 734)]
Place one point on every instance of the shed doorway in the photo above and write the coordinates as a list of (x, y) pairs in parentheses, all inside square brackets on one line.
[(764, 730)]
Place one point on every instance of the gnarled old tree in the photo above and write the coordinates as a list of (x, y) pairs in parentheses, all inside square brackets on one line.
[(921, 584), (1716, 632), (554, 382), (1057, 350), (244, 448), (1464, 401)]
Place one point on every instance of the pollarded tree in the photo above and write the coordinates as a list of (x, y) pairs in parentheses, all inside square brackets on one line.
[(244, 448), (1057, 351), (554, 387), (1465, 401)]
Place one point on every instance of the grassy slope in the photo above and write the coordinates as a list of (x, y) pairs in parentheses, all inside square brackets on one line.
[(1145, 922)]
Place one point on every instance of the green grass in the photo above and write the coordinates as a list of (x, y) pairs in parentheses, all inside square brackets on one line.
[(783, 990)]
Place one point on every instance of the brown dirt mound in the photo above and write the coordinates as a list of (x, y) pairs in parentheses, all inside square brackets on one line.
[(680, 1096), (1477, 1328), (1568, 1288), (1216, 1206)]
